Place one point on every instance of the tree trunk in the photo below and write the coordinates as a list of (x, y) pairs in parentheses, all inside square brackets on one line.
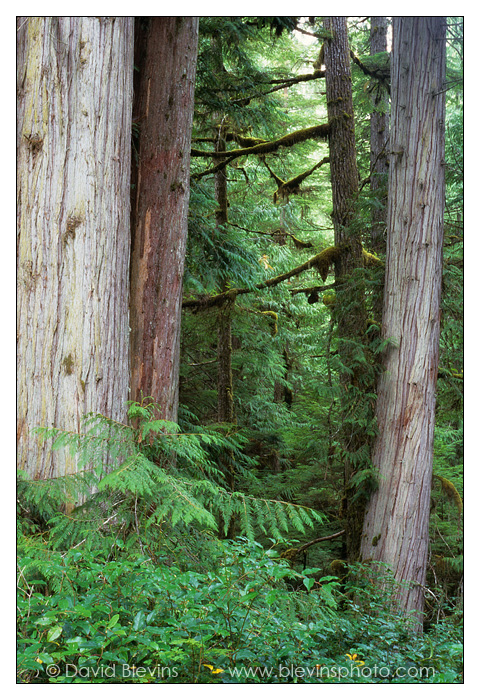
[(396, 523), (164, 110), (226, 411), (350, 304), (379, 133), (343, 158), (74, 127)]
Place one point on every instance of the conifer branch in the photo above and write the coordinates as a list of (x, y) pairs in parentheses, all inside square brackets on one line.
[(319, 539), (320, 131), (281, 84), (380, 74), (292, 186), (321, 262)]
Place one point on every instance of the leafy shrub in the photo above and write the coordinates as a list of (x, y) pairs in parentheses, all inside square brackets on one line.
[(90, 619)]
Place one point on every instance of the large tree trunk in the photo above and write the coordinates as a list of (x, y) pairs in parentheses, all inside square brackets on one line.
[(164, 109), (350, 305), (74, 126), (396, 523)]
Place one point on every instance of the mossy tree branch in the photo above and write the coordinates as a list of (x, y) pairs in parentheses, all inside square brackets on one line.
[(320, 131), (292, 186), (382, 74), (279, 234), (321, 262)]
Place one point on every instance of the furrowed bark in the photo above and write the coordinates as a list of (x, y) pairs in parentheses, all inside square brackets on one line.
[(350, 306), (74, 127), (397, 519), (164, 109)]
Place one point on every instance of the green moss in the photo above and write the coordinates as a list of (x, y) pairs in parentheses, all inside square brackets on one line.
[(68, 364)]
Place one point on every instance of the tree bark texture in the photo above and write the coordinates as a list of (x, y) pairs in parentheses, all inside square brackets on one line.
[(397, 519), (343, 169), (164, 110), (74, 139), (343, 158), (350, 305), (226, 411), (379, 132), (379, 136)]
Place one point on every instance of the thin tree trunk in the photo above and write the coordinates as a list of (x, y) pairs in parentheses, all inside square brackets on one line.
[(225, 401), (226, 411), (74, 126), (379, 134), (350, 306), (397, 519), (164, 110)]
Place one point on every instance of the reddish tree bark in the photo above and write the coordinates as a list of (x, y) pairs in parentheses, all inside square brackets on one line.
[(166, 51)]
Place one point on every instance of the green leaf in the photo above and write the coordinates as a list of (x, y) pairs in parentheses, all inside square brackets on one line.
[(138, 621), (54, 633), (113, 621)]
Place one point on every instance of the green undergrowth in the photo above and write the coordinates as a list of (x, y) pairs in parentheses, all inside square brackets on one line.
[(134, 581), (91, 617)]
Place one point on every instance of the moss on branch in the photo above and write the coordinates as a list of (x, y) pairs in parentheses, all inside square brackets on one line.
[(292, 186), (320, 131), (321, 262)]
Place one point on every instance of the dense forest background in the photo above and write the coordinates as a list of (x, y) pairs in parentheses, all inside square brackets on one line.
[(214, 522)]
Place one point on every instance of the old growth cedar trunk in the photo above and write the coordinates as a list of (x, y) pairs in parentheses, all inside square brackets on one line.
[(166, 50), (350, 306), (397, 519), (73, 137)]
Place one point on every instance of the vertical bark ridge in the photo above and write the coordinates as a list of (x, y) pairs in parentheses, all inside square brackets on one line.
[(164, 110), (73, 226), (399, 510)]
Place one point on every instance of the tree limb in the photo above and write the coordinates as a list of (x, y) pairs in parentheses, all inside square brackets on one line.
[(319, 539), (280, 85), (292, 186), (379, 74), (320, 131), (321, 262)]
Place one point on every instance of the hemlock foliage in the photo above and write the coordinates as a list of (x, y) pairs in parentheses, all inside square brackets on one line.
[(150, 478)]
